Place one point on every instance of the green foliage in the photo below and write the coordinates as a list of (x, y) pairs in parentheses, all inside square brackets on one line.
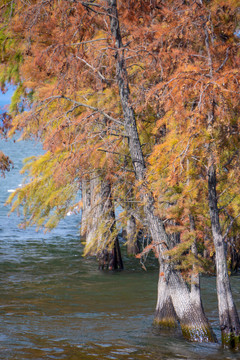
[(43, 201), (16, 100)]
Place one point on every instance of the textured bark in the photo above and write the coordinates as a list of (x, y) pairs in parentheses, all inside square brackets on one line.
[(86, 207), (186, 313), (195, 281), (94, 215), (194, 323), (132, 248), (115, 262), (165, 315), (114, 252), (228, 316), (98, 223), (175, 303), (195, 278)]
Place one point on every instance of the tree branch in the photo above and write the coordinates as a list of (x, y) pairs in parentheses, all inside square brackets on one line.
[(51, 98), (230, 225), (94, 69)]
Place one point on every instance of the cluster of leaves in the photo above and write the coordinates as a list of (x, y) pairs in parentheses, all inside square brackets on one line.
[(5, 163), (203, 79), (182, 59), (5, 124)]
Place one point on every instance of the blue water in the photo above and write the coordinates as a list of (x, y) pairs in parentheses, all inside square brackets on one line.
[(5, 99), (55, 304)]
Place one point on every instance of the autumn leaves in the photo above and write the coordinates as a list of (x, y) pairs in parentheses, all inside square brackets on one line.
[(144, 93)]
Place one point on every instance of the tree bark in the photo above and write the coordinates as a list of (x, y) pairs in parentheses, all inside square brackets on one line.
[(228, 316), (107, 208), (86, 208), (165, 316), (91, 197), (131, 229), (195, 278), (99, 225), (132, 246), (194, 327)]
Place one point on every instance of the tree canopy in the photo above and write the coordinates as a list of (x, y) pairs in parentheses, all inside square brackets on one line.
[(182, 62), (82, 86)]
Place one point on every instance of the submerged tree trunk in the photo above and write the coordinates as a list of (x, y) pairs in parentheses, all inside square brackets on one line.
[(228, 316), (109, 241), (98, 223), (115, 262), (192, 319), (165, 315), (175, 303)]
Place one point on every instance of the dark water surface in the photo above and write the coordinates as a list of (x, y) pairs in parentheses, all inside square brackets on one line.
[(54, 304)]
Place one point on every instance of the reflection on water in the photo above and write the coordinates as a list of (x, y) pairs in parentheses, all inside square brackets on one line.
[(55, 304)]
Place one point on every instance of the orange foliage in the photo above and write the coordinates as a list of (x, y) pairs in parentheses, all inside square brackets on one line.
[(182, 59)]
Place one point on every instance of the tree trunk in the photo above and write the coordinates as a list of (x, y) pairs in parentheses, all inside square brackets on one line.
[(195, 278), (99, 225), (193, 321), (228, 316), (132, 246), (194, 327), (86, 208), (93, 213), (109, 241), (176, 303), (115, 262), (165, 316), (233, 260)]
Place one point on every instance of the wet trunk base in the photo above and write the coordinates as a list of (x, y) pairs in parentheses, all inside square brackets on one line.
[(166, 318), (189, 332), (194, 334), (230, 340), (165, 322), (110, 259), (116, 262)]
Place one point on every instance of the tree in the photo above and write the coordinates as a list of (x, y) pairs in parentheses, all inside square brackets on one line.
[(202, 140), (62, 143), (113, 90), (169, 307)]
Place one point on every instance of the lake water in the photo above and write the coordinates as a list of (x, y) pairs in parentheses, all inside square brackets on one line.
[(55, 304)]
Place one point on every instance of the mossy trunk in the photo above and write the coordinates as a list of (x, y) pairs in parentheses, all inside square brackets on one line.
[(175, 304), (192, 319), (228, 316)]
